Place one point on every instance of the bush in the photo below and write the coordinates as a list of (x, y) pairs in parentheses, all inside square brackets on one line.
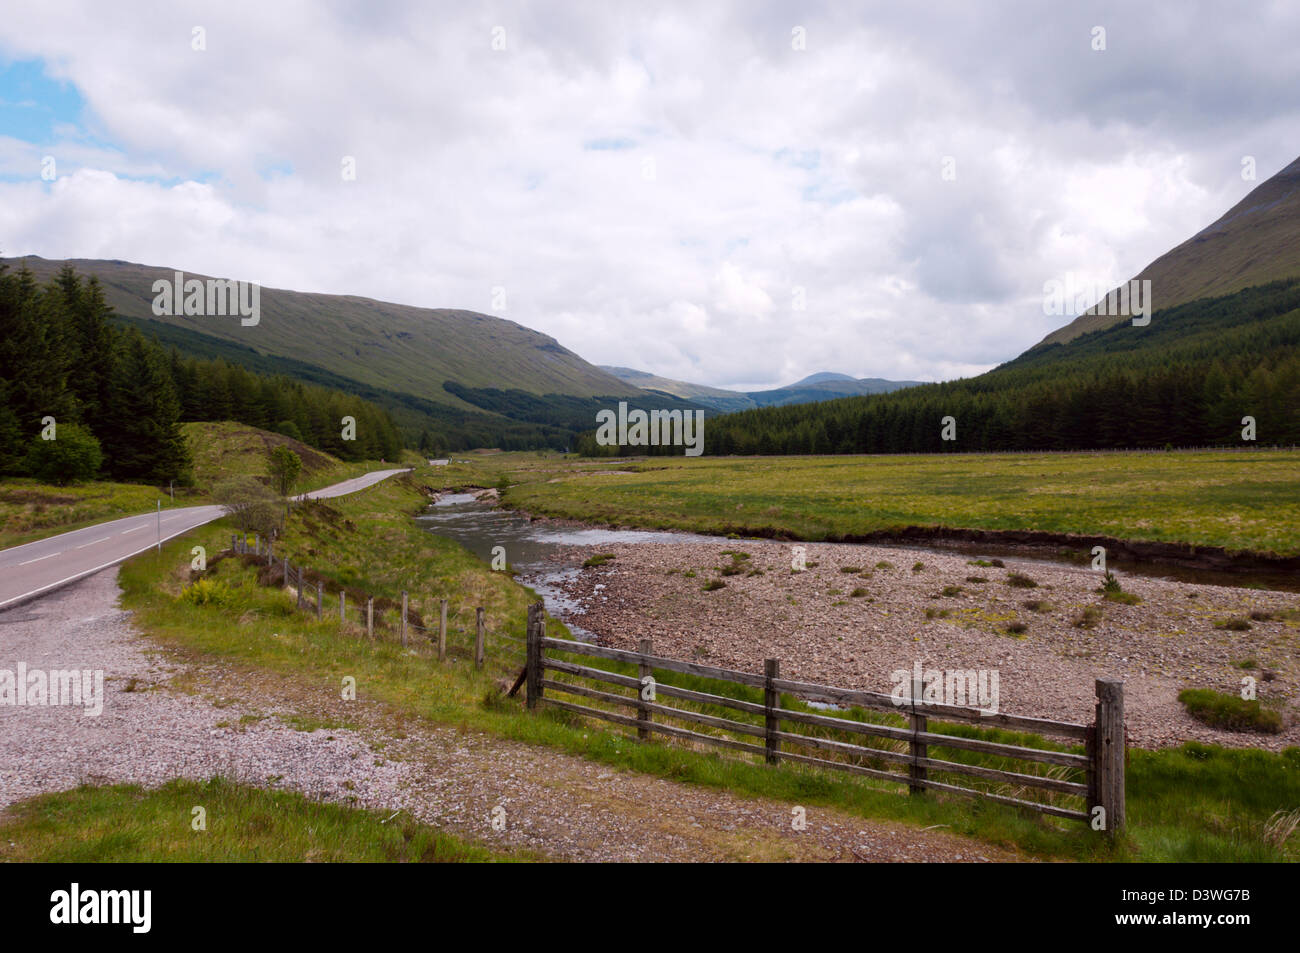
[(597, 560), (713, 585), (74, 455), (1088, 618), (208, 592), (1020, 581), (251, 504), (1229, 712), (1236, 624)]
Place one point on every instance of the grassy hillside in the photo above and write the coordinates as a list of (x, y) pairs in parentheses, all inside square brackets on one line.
[(384, 345), (1255, 242)]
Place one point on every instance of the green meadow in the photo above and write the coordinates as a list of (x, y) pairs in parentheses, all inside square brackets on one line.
[(1242, 501)]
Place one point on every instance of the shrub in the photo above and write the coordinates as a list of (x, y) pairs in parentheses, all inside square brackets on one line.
[(1017, 628), (250, 503), (599, 560), (1088, 618), (71, 457), (977, 579), (713, 585), (1235, 623), (208, 592), (1229, 712), (1038, 605), (858, 593), (952, 590), (851, 569), (917, 567), (884, 564), (1020, 581)]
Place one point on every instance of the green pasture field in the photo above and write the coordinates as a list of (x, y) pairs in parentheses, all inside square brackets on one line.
[(1242, 501)]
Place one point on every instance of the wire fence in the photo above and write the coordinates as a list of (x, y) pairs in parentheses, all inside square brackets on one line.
[(464, 632)]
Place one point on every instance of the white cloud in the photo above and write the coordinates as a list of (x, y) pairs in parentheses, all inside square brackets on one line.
[(772, 168)]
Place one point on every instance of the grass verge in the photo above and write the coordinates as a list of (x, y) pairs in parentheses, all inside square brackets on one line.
[(126, 823)]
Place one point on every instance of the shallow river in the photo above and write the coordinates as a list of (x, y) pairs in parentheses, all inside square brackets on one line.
[(480, 526)]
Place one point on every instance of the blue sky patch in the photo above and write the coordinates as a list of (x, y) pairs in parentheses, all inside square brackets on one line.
[(32, 104)]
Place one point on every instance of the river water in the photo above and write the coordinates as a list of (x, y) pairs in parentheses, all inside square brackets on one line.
[(480, 526)]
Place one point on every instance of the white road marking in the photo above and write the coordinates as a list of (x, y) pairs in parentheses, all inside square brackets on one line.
[(39, 558), (131, 530), (93, 542)]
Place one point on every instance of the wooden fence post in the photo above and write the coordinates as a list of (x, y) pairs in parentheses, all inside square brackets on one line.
[(480, 632), (370, 618), (320, 600), (771, 701), (918, 749), (644, 647), (1109, 754), (536, 632), (442, 631), (343, 598), (302, 601), (234, 542), (403, 618)]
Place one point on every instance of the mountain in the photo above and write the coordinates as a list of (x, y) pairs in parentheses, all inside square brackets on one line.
[(821, 377), (393, 347), (712, 397), (438, 372), (1218, 365), (1255, 242), (824, 385)]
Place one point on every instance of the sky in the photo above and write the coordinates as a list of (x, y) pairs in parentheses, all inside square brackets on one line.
[(731, 193)]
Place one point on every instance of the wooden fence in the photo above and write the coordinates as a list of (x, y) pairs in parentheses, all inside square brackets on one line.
[(312, 599), (1101, 766)]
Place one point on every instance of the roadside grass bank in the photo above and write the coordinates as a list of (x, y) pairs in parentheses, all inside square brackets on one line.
[(1192, 803), (1241, 501), (129, 824), (30, 510)]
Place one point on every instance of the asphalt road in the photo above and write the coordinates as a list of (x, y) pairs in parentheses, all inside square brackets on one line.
[(34, 569)]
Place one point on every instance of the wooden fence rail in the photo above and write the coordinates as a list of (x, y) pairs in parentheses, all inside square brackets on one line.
[(1101, 788)]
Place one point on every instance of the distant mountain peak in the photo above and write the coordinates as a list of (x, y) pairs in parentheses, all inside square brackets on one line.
[(821, 376)]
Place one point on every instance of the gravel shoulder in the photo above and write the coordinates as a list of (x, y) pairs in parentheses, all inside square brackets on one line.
[(821, 631), (165, 716)]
